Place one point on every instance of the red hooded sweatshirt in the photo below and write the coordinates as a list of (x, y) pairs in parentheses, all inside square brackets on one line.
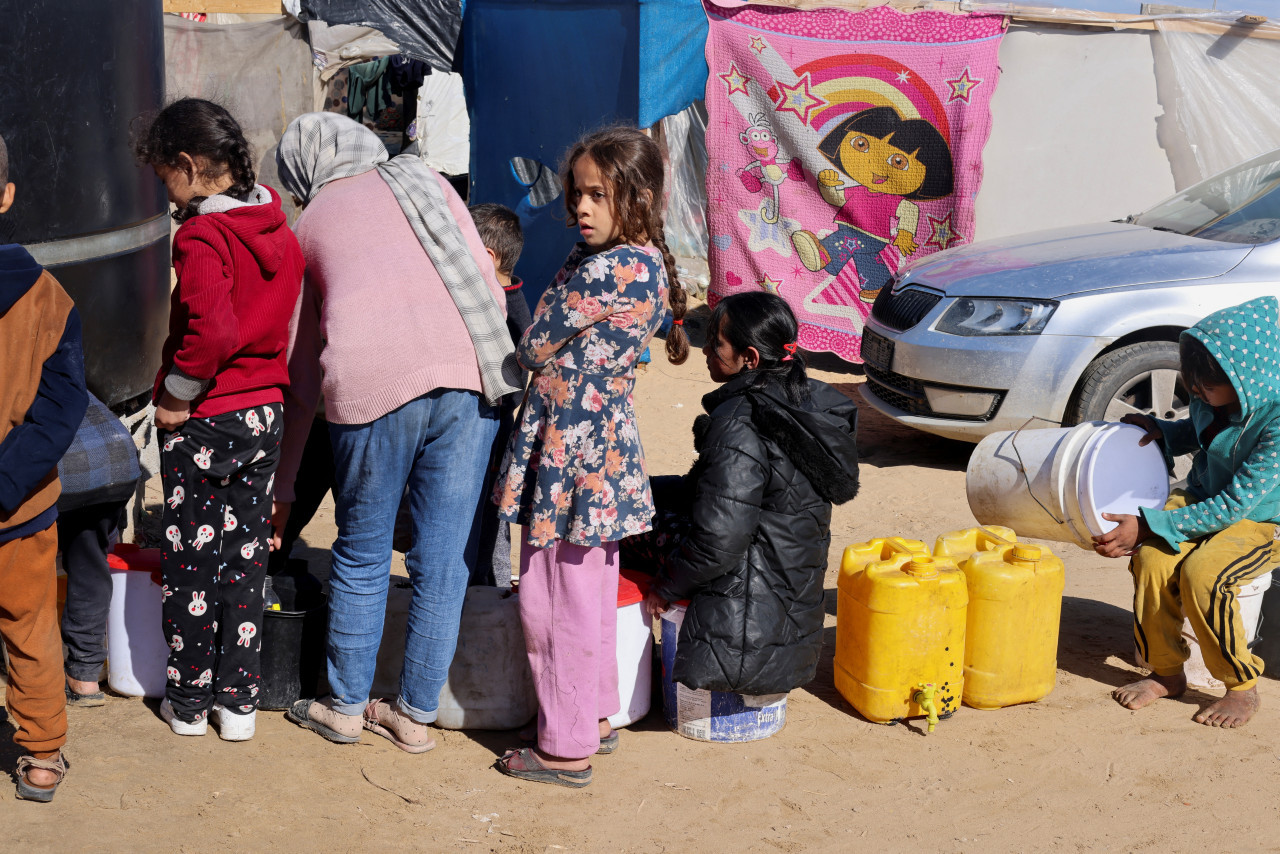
[(239, 272)]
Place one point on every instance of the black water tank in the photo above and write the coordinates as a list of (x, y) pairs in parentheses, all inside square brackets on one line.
[(74, 77)]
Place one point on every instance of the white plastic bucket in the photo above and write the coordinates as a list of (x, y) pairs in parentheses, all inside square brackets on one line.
[(137, 653), (713, 715), (1250, 599), (635, 651), (490, 686), (1055, 484)]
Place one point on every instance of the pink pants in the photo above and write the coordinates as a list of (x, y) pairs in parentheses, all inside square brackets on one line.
[(569, 608)]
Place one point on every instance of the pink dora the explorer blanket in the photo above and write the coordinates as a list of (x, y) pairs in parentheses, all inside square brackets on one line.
[(841, 145)]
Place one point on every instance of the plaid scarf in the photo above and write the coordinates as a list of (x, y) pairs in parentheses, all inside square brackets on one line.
[(318, 148)]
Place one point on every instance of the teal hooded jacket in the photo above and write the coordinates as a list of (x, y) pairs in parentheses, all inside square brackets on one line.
[(1237, 476)]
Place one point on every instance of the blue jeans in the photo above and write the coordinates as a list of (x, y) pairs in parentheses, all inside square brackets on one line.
[(437, 445), (846, 244)]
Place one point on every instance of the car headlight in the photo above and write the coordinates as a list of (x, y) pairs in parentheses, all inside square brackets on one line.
[(996, 316)]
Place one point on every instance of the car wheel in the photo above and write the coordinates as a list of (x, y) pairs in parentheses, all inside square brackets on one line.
[(1141, 378)]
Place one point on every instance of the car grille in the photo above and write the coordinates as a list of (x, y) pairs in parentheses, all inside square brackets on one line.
[(907, 394), (898, 391), (904, 309)]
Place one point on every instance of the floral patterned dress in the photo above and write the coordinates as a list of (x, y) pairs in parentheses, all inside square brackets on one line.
[(574, 469)]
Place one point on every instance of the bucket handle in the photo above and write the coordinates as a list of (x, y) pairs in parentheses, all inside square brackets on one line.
[(1022, 468)]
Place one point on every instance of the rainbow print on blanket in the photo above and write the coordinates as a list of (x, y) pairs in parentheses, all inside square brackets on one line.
[(842, 145)]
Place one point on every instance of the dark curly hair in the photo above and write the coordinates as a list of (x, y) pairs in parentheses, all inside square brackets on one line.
[(631, 163), (206, 133)]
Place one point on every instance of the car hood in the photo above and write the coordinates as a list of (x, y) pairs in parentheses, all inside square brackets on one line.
[(1063, 261)]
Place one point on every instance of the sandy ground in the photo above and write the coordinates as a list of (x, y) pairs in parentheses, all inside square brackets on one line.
[(1074, 772)]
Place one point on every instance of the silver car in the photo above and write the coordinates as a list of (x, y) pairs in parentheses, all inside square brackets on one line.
[(1073, 324)]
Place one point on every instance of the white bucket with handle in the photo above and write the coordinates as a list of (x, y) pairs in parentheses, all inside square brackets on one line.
[(1055, 484), (1198, 676)]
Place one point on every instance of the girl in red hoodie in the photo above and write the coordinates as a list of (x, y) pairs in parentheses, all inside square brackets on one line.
[(218, 403)]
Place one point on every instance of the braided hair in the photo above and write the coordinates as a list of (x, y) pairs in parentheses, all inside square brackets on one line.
[(631, 163), (764, 321), (210, 136)]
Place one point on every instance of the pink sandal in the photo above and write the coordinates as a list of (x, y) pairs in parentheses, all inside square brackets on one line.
[(384, 719)]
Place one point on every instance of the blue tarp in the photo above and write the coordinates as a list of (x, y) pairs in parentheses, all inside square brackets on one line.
[(540, 74), (673, 59)]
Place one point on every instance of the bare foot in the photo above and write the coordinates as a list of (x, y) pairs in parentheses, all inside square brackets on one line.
[(40, 778), (559, 763), (82, 687), (530, 731), (1144, 692), (1232, 710)]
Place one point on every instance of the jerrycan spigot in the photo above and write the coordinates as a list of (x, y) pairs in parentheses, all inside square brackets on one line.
[(923, 697)]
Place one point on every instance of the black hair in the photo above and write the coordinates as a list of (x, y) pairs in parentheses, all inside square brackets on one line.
[(764, 321), (4, 163), (1198, 366), (500, 231), (914, 136), (199, 129), (631, 163)]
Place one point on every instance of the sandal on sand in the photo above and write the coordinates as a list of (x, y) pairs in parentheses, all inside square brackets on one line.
[(300, 714), (609, 743), (533, 770), (28, 792), (85, 701), (384, 719)]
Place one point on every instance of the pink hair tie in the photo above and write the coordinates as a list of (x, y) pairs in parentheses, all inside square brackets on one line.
[(791, 351)]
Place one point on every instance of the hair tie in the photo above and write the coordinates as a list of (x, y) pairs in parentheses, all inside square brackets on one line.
[(791, 351), (677, 322)]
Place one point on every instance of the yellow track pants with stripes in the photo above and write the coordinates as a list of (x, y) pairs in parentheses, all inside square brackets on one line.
[(1200, 580)]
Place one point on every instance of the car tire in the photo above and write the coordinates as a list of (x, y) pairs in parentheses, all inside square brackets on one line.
[(1141, 378)]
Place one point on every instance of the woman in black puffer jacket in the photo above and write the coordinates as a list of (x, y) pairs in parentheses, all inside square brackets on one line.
[(745, 534)]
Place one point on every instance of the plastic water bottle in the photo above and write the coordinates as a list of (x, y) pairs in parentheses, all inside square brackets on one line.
[(270, 601)]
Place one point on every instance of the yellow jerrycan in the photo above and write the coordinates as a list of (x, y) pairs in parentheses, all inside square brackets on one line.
[(1015, 606), (960, 545), (900, 623)]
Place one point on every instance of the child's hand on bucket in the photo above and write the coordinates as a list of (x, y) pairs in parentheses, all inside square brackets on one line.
[(1123, 539), (655, 605), (1146, 422)]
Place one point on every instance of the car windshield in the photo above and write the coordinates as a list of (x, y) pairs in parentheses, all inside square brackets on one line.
[(1240, 205)]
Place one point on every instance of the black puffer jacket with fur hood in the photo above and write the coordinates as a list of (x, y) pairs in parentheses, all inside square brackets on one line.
[(760, 497)]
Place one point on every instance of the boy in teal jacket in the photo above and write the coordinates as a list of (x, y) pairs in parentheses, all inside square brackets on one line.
[(1193, 556)]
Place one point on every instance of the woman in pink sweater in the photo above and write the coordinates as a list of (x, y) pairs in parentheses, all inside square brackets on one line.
[(401, 326)]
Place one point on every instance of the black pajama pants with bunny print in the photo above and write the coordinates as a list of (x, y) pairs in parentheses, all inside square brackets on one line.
[(218, 474)]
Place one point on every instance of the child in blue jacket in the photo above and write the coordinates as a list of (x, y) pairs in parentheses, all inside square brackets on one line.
[(42, 398)]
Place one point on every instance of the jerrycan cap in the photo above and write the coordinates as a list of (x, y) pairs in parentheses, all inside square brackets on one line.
[(921, 566), (1024, 552)]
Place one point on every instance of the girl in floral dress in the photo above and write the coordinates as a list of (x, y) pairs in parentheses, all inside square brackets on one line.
[(574, 473)]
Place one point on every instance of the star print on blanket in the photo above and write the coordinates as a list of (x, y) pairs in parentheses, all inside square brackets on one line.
[(841, 145)]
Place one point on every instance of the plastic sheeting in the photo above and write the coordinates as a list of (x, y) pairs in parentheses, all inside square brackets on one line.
[(685, 218), (1220, 92), (539, 75), (335, 48), (424, 29), (442, 128), (260, 72), (673, 61)]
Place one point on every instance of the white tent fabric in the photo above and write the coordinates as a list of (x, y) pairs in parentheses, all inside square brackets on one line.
[(261, 72), (1222, 105)]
